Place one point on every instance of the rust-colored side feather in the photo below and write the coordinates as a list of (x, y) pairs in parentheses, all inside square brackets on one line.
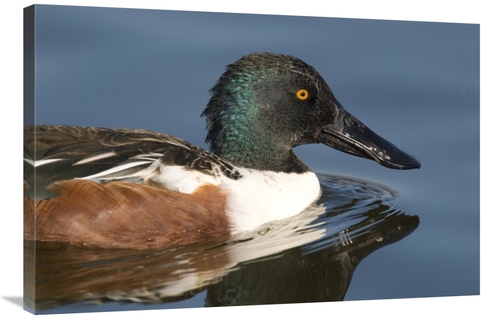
[(125, 215)]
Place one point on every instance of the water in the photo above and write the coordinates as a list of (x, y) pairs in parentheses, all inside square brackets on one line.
[(415, 84), (319, 249)]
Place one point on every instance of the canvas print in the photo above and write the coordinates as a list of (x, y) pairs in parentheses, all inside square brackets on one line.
[(190, 159)]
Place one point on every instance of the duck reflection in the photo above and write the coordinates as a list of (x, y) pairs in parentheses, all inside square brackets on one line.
[(310, 257), (323, 275)]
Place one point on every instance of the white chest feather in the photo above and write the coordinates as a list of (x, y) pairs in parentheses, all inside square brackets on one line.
[(259, 197), (256, 198)]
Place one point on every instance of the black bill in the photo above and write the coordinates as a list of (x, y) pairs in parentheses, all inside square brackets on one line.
[(349, 135)]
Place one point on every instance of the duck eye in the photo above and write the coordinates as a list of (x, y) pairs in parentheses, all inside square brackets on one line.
[(302, 94)]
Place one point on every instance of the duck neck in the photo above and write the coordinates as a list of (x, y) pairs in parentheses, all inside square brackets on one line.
[(260, 153), (248, 138)]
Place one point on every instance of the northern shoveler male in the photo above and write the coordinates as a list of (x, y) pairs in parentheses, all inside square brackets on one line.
[(125, 188)]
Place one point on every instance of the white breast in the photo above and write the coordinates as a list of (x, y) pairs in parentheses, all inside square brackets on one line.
[(263, 196), (256, 198)]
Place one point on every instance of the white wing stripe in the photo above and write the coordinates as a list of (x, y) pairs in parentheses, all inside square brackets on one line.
[(116, 169), (95, 158), (41, 162)]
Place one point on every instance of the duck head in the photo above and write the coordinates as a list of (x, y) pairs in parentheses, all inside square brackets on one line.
[(265, 104)]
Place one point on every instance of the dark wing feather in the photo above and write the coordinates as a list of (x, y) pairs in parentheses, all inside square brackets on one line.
[(67, 152)]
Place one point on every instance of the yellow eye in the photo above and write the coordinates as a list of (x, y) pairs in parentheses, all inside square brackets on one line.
[(302, 94)]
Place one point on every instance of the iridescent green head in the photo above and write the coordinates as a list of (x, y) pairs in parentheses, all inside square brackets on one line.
[(265, 104)]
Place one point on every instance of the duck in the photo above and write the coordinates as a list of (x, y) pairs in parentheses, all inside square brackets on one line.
[(139, 189)]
